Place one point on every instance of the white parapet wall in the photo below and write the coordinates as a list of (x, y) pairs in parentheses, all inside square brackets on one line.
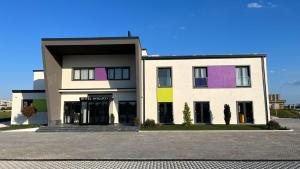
[(38, 98)]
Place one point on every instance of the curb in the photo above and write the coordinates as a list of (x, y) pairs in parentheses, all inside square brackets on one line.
[(213, 131)]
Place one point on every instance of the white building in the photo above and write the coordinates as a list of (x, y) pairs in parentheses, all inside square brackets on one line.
[(87, 80)]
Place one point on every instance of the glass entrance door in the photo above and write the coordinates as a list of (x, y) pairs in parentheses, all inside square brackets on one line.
[(95, 112), (245, 112), (202, 112)]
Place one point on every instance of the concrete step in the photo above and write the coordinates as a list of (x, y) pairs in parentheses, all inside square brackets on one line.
[(91, 128)]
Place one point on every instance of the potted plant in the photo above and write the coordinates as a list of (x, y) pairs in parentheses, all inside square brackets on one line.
[(112, 118)]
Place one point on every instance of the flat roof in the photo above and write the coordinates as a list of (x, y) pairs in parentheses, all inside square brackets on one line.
[(91, 38), (28, 91), (204, 56)]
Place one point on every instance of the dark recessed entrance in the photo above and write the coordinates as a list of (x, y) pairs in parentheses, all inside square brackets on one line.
[(91, 110), (127, 112)]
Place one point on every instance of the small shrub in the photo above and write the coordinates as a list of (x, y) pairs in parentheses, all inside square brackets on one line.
[(149, 123), (136, 121), (274, 125), (227, 114), (187, 120), (28, 111)]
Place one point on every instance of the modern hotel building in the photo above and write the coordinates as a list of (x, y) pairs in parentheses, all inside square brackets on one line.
[(89, 79)]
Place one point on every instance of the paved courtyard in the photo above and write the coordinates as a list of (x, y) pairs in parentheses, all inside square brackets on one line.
[(216, 145)]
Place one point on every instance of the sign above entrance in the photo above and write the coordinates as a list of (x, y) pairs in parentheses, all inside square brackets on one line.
[(97, 98)]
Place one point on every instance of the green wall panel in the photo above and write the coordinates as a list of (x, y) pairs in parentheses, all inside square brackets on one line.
[(164, 94), (40, 105)]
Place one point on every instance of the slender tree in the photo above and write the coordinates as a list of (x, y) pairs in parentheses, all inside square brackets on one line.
[(227, 114), (187, 115)]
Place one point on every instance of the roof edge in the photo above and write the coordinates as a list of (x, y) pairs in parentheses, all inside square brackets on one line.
[(205, 56), (28, 91), (91, 38), (38, 70)]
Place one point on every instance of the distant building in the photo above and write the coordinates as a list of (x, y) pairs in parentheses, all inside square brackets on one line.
[(5, 103), (293, 106), (276, 102)]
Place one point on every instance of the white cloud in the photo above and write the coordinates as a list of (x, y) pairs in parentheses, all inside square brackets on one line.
[(255, 5), (272, 71), (182, 28)]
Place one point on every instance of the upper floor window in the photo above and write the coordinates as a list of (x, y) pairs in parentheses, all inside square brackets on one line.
[(164, 77), (200, 76), (84, 74), (118, 73), (242, 76)]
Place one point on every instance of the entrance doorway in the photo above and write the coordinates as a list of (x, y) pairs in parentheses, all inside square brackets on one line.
[(95, 112), (127, 112), (245, 112), (202, 112), (91, 110), (165, 111)]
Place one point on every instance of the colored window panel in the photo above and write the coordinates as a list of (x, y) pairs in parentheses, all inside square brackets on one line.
[(164, 94)]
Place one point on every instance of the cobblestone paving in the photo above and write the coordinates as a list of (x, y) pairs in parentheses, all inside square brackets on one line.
[(148, 164)]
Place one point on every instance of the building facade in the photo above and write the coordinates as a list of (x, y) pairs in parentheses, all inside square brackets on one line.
[(89, 80), (36, 97), (276, 102)]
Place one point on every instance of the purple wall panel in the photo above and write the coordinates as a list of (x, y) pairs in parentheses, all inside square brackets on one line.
[(221, 77), (100, 73)]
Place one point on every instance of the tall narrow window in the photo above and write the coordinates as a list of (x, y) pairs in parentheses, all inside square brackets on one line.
[(84, 74), (118, 73), (242, 76), (91, 74), (77, 74), (200, 77), (111, 73), (125, 73), (164, 77)]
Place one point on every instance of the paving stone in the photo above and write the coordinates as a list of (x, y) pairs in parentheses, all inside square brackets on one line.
[(149, 164)]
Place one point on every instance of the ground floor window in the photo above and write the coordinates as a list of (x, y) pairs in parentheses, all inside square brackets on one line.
[(202, 112), (165, 111), (245, 112), (127, 112)]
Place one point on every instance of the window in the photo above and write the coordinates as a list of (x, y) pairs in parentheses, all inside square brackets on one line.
[(164, 77), (245, 112), (27, 102), (165, 111), (202, 112), (242, 76), (84, 74), (200, 77), (118, 73)]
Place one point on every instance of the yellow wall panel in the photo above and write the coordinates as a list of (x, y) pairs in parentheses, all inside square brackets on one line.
[(164, 94)]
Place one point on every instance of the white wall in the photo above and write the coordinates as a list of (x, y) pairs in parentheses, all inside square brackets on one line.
[(38, 80), (113, 107), (70, 62), (16, 115), (183, 90)]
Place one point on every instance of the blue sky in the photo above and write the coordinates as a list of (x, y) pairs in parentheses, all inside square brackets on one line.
[(165, 27)]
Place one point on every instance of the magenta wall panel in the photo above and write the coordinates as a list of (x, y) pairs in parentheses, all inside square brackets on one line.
[(100, 73), (221, 77)]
